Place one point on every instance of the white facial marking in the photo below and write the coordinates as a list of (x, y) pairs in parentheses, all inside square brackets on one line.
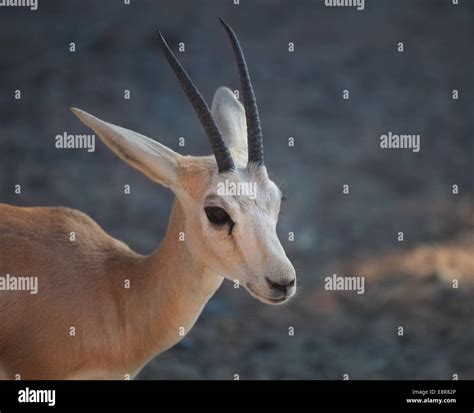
[(235, 234)]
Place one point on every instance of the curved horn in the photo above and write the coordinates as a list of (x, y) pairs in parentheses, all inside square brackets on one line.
[(221, 152), (254, 131)]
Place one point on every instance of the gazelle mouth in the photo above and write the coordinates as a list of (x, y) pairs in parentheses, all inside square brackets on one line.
[(264, 298)]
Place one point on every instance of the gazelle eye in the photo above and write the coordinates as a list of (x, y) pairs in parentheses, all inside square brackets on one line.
[(219, 217)]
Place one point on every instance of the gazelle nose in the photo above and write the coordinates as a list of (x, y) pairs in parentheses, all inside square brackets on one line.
[(283, 288)]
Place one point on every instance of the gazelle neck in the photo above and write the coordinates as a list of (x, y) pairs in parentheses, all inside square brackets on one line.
[(173, 291)]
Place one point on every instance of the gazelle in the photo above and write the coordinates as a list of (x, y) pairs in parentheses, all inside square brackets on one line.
[(84, 323)]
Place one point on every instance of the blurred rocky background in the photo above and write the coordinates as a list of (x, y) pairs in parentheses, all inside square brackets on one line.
[(408, 284)]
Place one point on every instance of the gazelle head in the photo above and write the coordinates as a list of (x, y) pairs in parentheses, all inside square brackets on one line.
[(230, 204)]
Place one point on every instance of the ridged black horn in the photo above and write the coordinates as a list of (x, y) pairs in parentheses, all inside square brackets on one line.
[(221, 152), (254, 131)]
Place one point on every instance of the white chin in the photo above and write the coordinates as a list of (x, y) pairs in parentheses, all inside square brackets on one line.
[(264, 299)]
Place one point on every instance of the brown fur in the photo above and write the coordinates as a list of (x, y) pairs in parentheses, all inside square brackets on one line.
[(81, 285)]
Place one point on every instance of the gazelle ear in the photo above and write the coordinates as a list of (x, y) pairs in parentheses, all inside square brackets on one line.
[(156, 161), (229, 115)]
